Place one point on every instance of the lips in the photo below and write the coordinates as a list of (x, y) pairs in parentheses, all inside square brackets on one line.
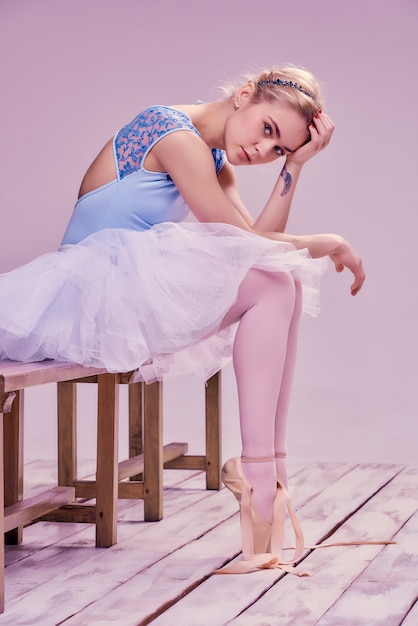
[(245, 156)]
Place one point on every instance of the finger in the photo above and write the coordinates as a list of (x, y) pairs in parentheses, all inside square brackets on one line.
[(313, 130), (355, 289), (323, 134), (326, 120), (324, 126), (318, 139), (318, 121), (358, 282)]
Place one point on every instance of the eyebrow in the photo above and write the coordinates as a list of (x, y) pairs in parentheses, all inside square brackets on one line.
[(277, 129)]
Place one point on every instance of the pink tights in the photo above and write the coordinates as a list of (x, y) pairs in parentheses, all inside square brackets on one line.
[(268, 311)]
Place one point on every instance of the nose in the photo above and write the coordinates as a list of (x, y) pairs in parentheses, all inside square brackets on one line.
[(264, 146)]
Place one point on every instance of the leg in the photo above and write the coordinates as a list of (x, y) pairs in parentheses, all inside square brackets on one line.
[(286, 389), (2, 563), (213, 431), (107, 460), (67, 433), (13, 460), (265, 308), (153, 452)]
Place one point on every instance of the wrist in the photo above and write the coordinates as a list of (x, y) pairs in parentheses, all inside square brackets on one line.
[(339, 244), (323, 245), (293, 164)]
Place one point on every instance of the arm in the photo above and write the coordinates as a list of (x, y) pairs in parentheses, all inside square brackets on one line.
[(336, 247), (189, 162), (228, 183), (276, 212), (195, 178)]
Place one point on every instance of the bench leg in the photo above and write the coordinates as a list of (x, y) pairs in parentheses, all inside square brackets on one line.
[(213, 432), (2, 563), (107, 460), (13, 461), (136, 413), (67, 433), (153, 452)]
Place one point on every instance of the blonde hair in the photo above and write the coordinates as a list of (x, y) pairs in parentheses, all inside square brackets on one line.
[(290, 84)]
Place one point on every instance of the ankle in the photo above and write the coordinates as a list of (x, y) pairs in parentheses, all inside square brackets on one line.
[(281, 467), (260, 473)]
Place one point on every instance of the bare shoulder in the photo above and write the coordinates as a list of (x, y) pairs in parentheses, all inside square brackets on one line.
[(182, 148)]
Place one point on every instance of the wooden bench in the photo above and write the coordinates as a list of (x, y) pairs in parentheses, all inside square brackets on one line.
[(140, 476)]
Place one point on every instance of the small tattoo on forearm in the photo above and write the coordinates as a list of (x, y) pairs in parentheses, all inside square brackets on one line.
[(287, 180)]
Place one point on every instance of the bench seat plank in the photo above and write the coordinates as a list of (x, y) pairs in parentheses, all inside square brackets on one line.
[(16, 375)]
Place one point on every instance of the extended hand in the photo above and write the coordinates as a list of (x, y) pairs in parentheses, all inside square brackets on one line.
[(345, 256)]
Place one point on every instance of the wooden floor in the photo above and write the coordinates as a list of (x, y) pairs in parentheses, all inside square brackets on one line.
[(161, 573)]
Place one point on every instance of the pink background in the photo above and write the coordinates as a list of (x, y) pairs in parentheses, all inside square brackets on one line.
[(74, 71)]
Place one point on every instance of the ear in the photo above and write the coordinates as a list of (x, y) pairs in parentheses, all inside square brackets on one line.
[(244, 94)]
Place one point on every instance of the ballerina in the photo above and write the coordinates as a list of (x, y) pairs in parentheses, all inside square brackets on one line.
[(136, 287)]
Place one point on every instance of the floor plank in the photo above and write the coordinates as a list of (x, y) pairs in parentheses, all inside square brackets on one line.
[(412, 617), (161, 572), (385, 591)]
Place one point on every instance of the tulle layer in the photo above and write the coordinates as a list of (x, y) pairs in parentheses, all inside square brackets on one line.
[(151, 300)]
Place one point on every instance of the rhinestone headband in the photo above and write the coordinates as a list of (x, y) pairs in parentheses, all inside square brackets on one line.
[(286, 83)]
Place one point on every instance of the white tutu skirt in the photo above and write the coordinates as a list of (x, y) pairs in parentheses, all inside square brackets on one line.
[(149, 301)]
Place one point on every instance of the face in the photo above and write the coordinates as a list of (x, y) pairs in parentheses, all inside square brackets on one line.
[(262, 132)]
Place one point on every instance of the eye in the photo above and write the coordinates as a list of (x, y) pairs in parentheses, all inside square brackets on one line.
[(269, 131)]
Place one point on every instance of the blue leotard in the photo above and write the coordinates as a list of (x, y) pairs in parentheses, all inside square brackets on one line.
[(138, 198)]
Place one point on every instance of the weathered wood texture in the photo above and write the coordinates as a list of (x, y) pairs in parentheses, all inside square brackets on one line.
[(15, 375), (161, 572)]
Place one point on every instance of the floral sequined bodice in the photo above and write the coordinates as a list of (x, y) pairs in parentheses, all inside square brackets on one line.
[(134, 140)]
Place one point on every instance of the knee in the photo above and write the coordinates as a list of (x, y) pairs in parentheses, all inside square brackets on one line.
[(279, 288), (286, 281), (283, 285)]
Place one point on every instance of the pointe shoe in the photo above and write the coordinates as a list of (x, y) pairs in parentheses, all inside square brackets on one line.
[(255, 530), (233, 478), (262, 543)]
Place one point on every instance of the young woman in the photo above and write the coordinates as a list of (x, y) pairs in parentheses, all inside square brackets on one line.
[(134, 286)]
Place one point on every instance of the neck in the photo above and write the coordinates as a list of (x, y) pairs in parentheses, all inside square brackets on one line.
[(210, 119)]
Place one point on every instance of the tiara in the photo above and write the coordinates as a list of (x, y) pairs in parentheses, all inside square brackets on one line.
[(286, 83)]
